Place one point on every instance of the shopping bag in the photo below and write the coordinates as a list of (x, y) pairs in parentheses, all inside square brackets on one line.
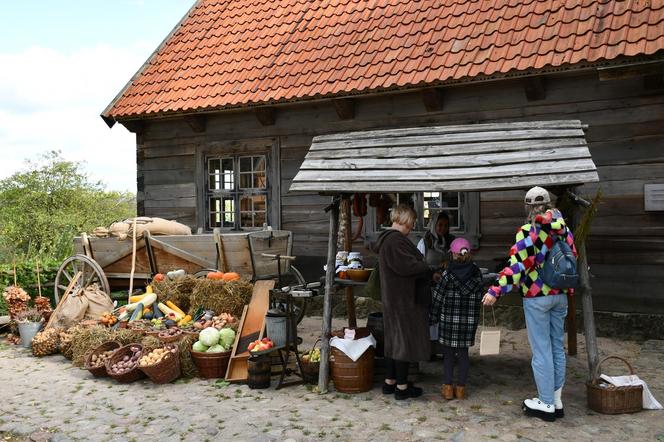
[(489, 337)]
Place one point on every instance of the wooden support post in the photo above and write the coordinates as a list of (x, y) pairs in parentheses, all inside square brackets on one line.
[(323, 373), (588, 312), (586, 293), (571, 326), (348, 246)]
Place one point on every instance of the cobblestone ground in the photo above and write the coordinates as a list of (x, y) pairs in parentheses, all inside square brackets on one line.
[(48, 399)]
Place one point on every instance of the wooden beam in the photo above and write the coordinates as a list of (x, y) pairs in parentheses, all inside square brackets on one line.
[(345, 108), (348, 246), (196, 122), (135, 126), (433, 99), (265, 115), (630, 70), (654, 81), (535, 88), (323, 372)]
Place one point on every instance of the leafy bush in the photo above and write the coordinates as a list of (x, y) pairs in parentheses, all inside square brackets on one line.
[(43, 207)]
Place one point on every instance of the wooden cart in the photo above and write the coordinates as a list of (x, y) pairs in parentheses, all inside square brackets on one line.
[(108, 261)]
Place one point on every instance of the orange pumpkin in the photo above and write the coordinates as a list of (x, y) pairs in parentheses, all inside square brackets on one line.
[(231, 276), (215, 275)]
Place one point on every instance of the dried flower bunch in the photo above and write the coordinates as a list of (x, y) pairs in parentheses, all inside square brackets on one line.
[(17, 300), (43, 304), (29, 315)]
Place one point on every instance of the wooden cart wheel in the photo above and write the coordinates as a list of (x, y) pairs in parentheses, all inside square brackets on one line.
[(91, 273)]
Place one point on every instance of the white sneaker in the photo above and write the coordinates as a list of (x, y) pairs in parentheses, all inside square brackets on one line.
[(536, 408), (558, 403)]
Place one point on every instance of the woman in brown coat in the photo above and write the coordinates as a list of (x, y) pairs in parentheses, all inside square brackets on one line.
[(406, 296)]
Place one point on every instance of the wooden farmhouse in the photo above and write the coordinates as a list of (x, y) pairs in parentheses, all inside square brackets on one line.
[(228, 106)]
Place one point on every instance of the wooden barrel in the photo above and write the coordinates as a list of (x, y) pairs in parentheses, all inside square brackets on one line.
[(259, 369), (349, 376)]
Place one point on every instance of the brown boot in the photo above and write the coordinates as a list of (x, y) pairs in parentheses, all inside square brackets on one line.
[(459, 392), (447, 392)]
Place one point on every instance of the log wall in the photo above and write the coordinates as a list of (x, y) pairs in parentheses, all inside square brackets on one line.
[(625, 135)]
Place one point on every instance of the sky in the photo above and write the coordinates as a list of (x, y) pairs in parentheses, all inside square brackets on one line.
[(61, 64)]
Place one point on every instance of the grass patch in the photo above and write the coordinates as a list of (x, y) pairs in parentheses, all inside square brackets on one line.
[(385, 427)]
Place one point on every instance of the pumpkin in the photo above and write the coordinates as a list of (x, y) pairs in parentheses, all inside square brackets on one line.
[(231, 276), (215, 275), (159, 277)]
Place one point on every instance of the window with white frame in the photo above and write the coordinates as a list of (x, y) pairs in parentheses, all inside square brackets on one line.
[(237, 192), (461, 207)]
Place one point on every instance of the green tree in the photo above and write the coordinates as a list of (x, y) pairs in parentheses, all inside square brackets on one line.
[(44, 206)]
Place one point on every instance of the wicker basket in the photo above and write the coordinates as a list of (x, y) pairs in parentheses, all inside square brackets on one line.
[(133, 374), (310, 369), (170, 339), (614, 400), (100, 372), (167, 370), (211, 365)]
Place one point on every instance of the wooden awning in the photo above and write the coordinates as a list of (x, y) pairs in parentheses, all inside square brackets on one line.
[(473, 157)]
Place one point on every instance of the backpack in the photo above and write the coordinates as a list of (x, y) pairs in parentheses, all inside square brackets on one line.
[(559, 267)]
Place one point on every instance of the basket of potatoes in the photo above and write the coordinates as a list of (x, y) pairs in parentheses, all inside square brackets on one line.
[(161, 365), (123, 363), (95, 361)]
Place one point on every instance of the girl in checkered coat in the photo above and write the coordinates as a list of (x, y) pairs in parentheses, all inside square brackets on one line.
[(456, 309)]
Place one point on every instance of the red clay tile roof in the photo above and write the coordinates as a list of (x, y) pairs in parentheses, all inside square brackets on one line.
[(234, 53)]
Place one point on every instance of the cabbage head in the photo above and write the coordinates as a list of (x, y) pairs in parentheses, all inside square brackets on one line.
[(209, 336), (227, 337), (199, 346), (216, 349)]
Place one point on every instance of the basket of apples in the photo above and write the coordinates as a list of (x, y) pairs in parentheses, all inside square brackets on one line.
[(311, 364), (260, 346)]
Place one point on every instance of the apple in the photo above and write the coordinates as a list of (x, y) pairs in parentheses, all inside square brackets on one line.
[(252, 346)]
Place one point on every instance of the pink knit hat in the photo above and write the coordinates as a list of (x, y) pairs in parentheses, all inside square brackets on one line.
[(459, 244)]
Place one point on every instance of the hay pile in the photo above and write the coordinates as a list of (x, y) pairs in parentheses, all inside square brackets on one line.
[(87, 339), (221, 296), (178, 291), (149, 343), (186, 363)]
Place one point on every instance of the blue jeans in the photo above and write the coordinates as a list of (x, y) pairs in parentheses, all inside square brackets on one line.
[(545, 322)]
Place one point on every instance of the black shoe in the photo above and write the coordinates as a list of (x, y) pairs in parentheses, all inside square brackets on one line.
[(560, 412), (410, 392), (389, 389)]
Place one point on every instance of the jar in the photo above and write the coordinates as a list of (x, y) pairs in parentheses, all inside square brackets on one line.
[(355, 260)]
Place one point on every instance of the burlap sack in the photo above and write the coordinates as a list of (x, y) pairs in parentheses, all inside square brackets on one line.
[(72, 311), (156, 226), (98, 302)]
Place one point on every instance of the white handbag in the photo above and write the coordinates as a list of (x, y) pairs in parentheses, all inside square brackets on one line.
[(489, 337)]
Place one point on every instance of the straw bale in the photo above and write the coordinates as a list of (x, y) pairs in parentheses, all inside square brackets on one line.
[(178, 291), (221, 296)]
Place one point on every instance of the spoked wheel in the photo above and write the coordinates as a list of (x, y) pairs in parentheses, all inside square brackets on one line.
[(91, 273), (294, 278)]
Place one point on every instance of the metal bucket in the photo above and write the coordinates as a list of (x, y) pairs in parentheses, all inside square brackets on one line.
[(28, 330), (275, 327)]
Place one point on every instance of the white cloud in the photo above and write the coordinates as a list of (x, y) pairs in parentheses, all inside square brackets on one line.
[(52, 100)]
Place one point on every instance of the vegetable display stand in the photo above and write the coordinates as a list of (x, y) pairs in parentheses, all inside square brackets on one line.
[(352, 376), (612, 399), (167, 370), (132, 375), (259, 368), (100, 371), (211, 365)]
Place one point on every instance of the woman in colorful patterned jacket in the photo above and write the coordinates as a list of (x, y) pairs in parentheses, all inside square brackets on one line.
[(545, 307)]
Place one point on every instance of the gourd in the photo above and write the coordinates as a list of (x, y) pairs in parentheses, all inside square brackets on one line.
[(174, 307), (157, 313), (167, 311), (147, 300), (231, 276), (138, 312), (215, 275)]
